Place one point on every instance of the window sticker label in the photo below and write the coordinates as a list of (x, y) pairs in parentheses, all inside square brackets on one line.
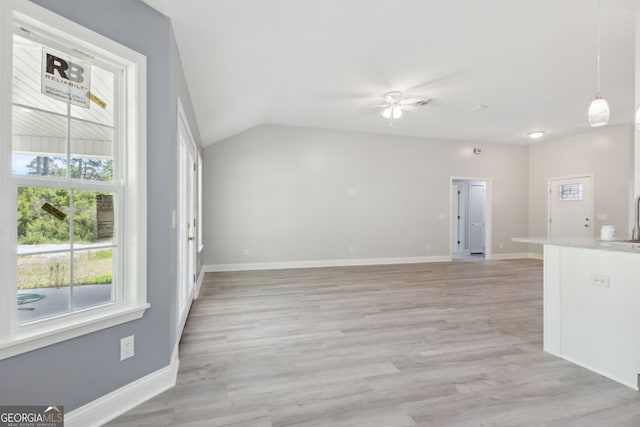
[(104, 206), (65, 79), (98, 101), (55, 212)]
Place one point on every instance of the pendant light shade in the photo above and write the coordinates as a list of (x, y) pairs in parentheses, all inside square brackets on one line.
[(599, 108), (598, 112)]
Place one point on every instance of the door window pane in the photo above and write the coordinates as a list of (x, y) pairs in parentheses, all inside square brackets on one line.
[(570, 192)]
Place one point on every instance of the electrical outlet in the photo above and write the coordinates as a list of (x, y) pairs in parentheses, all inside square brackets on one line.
[(127, 347), (599, 280), (427, 246), (246, 252), (351, 249)]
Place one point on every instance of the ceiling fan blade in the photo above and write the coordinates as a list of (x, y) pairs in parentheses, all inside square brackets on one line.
[(410, 108), (420, 100), (435, 82)]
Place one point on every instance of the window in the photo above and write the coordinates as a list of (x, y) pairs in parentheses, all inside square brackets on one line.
[(570, 192), (77, 182)]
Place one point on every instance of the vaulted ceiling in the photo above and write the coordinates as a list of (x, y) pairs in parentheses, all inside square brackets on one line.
[(494, 69)]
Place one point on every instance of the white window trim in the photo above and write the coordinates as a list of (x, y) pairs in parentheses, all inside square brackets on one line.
[(132, 304)]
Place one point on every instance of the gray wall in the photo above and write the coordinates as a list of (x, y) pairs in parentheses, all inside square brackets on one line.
[(607, 153), (77, 371), (294, 194), (180, 90)]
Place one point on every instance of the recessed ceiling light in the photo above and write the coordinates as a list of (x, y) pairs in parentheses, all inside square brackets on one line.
[(536, 134)]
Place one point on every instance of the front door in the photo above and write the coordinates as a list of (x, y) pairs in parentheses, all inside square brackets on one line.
[(570, 208)]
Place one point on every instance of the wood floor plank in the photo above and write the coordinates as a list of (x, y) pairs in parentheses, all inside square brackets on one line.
[(445, 344)]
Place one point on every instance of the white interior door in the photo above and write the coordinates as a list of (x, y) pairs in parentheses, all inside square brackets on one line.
[(570, 208), (456, 219), (477, 198), (186, 221)]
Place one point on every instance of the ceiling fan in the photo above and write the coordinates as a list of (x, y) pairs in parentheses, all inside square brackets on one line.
[(395, 103)]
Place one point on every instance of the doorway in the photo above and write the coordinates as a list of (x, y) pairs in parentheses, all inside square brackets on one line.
[(186, 218), (469, 213), (571, 207)]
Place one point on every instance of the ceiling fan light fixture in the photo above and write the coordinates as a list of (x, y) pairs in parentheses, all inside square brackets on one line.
[(598, 112), (394, 111)]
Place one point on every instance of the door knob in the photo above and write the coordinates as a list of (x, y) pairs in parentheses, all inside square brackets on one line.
[(586, 225), (191, 238)]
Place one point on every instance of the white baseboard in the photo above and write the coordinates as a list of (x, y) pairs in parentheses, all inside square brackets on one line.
[(351, 262), (632, 384), (516, 255), (196, 290), (116, 403)]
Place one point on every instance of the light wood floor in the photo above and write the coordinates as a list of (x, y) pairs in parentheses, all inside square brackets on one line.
[(450, 344)]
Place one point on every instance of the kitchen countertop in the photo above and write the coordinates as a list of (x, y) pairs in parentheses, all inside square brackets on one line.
[(606, 245)]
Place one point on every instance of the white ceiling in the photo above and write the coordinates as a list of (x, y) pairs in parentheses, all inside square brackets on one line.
[(321, 63)]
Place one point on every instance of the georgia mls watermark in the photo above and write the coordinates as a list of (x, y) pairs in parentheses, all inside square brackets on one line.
[(32, 416)]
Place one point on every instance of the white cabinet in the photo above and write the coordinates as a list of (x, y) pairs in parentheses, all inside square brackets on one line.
[(592, 309)]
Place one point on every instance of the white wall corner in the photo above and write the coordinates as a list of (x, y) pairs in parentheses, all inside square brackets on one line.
[(116, 403)]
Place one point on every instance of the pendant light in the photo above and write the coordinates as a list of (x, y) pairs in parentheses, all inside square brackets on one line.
[(599, 108)]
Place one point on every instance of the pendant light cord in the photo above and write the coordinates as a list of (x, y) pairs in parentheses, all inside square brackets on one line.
[(598, 56)]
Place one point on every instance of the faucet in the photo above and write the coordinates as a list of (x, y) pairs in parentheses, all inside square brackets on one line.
[(635, 235)]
